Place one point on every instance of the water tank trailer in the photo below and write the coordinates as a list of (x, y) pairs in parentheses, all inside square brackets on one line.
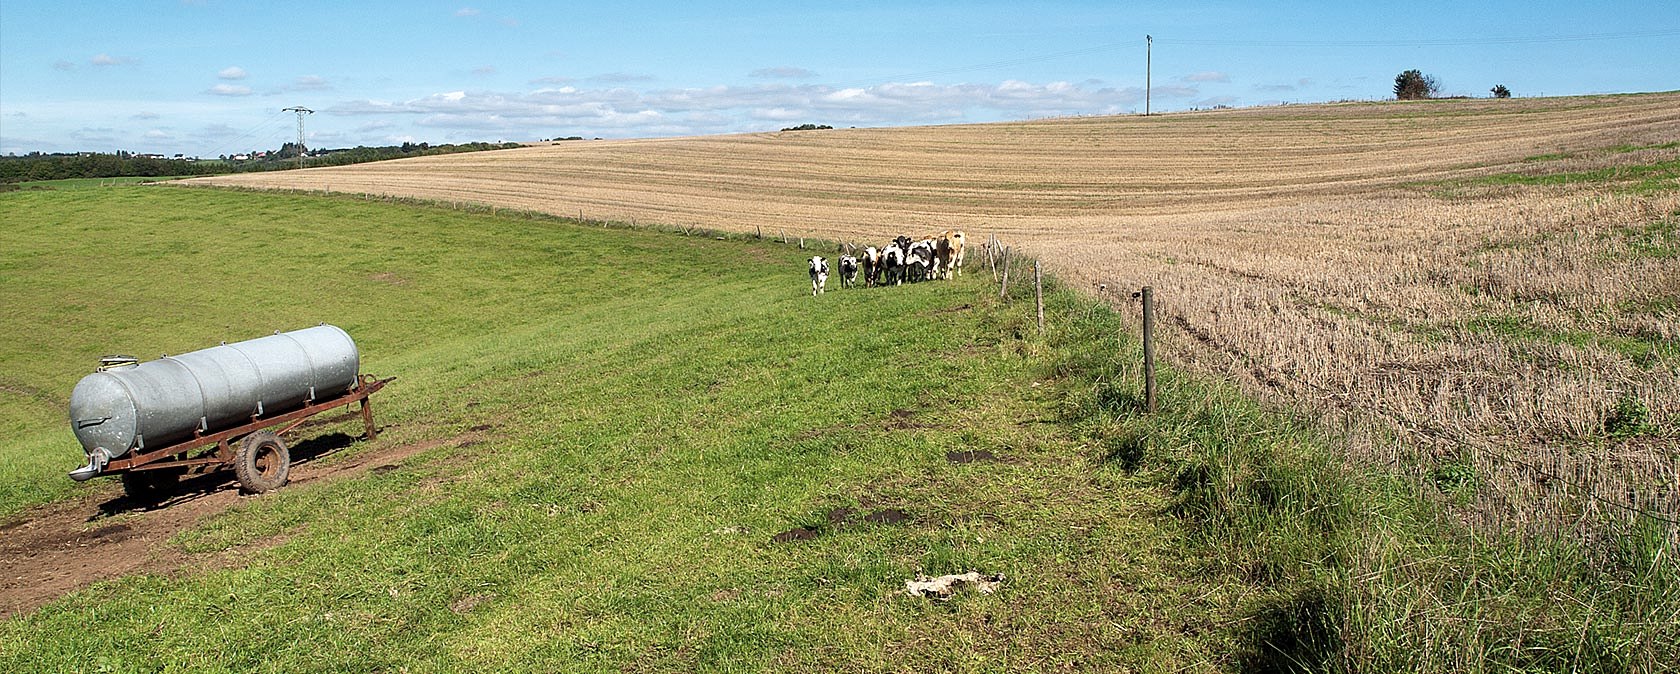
[(151, 422)]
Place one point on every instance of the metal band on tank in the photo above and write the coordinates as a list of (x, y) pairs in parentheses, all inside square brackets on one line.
[(203, 402), (131, 405), (306, 356), (262, 382)]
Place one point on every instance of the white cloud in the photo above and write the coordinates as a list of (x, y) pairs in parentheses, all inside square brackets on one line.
[(1214, 101), (64, 66), (1206, 76), (468, 12), (231, 73), (95, 135), (621, 78), (783, 73), (109, 60), (595, 111), (484, 71), (146, 116), (229, 90), (310, 83), (553, 80)]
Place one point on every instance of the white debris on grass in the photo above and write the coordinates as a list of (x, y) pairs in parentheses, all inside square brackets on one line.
[(944, 586)]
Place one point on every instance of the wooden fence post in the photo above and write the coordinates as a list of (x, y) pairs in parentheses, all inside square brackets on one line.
[(1003, 288), (1149, 348), (1038, 291)]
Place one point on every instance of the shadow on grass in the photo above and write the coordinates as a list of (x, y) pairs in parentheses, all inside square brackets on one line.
[(194, 486)]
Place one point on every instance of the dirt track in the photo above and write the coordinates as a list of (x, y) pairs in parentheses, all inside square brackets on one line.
[(53, 550)]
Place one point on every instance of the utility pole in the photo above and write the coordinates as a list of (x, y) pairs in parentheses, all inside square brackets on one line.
[(301, 111), (1148, 54)]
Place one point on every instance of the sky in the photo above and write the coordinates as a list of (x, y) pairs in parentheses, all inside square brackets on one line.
[(212, 77)]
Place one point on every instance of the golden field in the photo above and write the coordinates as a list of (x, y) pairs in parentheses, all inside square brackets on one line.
[(1482, 293)]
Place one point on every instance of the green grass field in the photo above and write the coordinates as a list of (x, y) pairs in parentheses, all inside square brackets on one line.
[(658, 408), (619, 421)]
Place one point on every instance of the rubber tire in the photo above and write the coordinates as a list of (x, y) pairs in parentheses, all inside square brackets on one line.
[(149, 486), (262, 462)]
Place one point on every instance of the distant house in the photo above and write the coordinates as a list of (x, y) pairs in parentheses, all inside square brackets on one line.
[(241, 157)]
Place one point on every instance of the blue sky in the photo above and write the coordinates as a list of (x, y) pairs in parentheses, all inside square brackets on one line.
[(210, 77)]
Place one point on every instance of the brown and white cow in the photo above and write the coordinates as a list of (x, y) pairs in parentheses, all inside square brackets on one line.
[(948, 254)]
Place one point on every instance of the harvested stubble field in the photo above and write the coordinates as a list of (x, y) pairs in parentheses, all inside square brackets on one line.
[(1482, 293)]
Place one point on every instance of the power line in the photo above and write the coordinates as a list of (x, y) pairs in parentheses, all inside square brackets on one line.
[(1116, 46), (231, 146), (1434, 42), (301, 111)]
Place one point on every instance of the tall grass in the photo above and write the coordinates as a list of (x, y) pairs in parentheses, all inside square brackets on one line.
[(1355, 567)]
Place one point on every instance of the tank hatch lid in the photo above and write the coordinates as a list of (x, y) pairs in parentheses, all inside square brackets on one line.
[(115, 362)]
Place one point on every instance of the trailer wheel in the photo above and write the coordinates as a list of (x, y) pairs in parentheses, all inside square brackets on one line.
[(262, 462), (150, 486)]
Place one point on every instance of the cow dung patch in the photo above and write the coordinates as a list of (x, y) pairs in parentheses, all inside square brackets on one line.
[(846, 515), (794, 534), (888, 516), (903, 419), (970, 456)]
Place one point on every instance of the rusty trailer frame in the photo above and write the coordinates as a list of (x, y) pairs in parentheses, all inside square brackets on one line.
[(178, 455)]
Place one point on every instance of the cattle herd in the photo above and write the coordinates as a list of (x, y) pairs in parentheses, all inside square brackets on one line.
[(931, 257)]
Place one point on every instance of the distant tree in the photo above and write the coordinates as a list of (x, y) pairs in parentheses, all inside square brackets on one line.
[(808, 127), (1499, 91), (1414, 85)]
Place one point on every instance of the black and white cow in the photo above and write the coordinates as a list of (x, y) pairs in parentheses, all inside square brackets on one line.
[(892, 265), (848, 271), (920, 260), (819, 275), (903, 243)]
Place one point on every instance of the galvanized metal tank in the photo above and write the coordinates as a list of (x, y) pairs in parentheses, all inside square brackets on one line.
[(129, 405)]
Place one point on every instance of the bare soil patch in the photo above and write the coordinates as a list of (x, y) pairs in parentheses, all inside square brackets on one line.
[(55, 549)]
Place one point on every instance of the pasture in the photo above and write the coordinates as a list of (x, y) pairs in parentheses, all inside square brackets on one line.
[(604, 442), (595, 440), (1480, 293)]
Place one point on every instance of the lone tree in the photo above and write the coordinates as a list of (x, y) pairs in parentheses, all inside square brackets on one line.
[(1499, 91), (1413, 85)]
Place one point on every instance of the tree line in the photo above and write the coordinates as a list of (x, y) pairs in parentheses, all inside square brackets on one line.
[(41, 166), (1413, 85)]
